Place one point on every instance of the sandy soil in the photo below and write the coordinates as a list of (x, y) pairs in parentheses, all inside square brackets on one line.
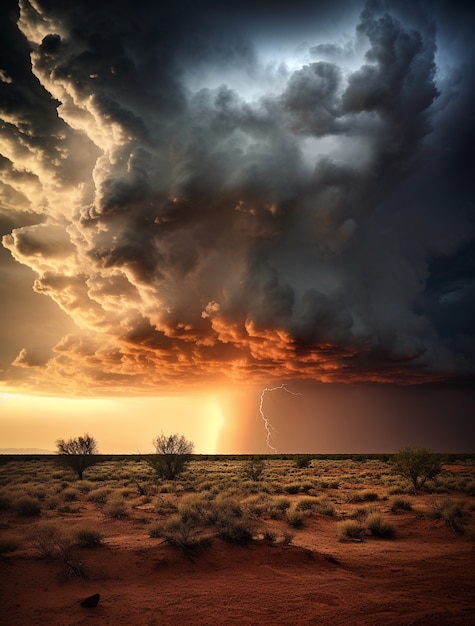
[(425, 576)]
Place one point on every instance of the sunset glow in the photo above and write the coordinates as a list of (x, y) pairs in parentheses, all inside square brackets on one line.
[(200, 204), (126, 425)]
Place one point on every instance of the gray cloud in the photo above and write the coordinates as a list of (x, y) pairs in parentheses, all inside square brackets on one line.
[(210, 213)]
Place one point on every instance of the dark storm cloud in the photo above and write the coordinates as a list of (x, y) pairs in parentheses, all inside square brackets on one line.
[(213, 211)]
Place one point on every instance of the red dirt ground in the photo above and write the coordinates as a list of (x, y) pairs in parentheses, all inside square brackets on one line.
[(425, 576)]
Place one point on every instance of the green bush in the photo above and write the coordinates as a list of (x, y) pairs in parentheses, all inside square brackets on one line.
[(416, 464)]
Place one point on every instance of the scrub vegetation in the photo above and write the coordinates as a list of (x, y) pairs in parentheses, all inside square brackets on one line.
[(238, 499)]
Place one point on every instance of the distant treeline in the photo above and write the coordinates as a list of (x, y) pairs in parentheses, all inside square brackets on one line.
[(445, 457)]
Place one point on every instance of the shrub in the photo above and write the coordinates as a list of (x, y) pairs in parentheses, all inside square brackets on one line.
[(269, 536), (234, 529), (253, 469), (85, 486), (52, 502), (37, 492), (8, 544), (28, 506), (469, 488), (69, 494), (305, 504), (99, 495), (362, 512), (302, 461), (380, 527), (88, 538), (350, 530), (179, 532), (223, 509), (453, 513), (194, 507), (116, 508), (292, 488), (397, 490), (5, 501), (401, 504), (321, 506), (278, 506), (416, 464), (287, 537), (364, 496), (294, 518), (259, 504), (50, 541)]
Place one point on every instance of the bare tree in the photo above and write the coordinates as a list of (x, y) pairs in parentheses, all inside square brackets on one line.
[(172, 454), (416, 464), (79, 453)]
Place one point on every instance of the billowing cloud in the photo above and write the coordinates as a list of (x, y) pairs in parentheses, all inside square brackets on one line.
[(208, 215)]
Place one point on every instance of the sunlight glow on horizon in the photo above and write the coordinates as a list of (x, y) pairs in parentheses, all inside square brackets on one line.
[(120, 425)]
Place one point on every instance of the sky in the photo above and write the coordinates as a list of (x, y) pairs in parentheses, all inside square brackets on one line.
[(251, 223)]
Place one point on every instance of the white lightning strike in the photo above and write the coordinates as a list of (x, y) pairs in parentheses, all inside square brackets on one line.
[(267, 424)]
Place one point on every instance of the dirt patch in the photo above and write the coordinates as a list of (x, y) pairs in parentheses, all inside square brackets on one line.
[(422, 578)]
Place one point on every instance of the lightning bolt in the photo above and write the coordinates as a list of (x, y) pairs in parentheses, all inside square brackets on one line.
[(267, 424)]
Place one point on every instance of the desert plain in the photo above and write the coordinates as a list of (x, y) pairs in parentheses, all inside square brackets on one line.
[(340, 541)]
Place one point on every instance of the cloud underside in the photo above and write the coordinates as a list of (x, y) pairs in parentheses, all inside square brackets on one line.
[(205, 216)]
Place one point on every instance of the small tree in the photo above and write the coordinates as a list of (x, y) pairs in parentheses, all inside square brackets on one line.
[(78, 453), (172, 454), (416, 464)]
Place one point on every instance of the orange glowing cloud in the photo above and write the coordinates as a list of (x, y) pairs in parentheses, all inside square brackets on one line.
[(198, 231)]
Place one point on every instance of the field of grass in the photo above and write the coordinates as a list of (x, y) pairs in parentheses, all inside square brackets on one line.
[(215, 497), (267, 540)]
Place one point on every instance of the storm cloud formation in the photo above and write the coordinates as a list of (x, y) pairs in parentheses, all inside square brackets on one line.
[(241, 195)]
